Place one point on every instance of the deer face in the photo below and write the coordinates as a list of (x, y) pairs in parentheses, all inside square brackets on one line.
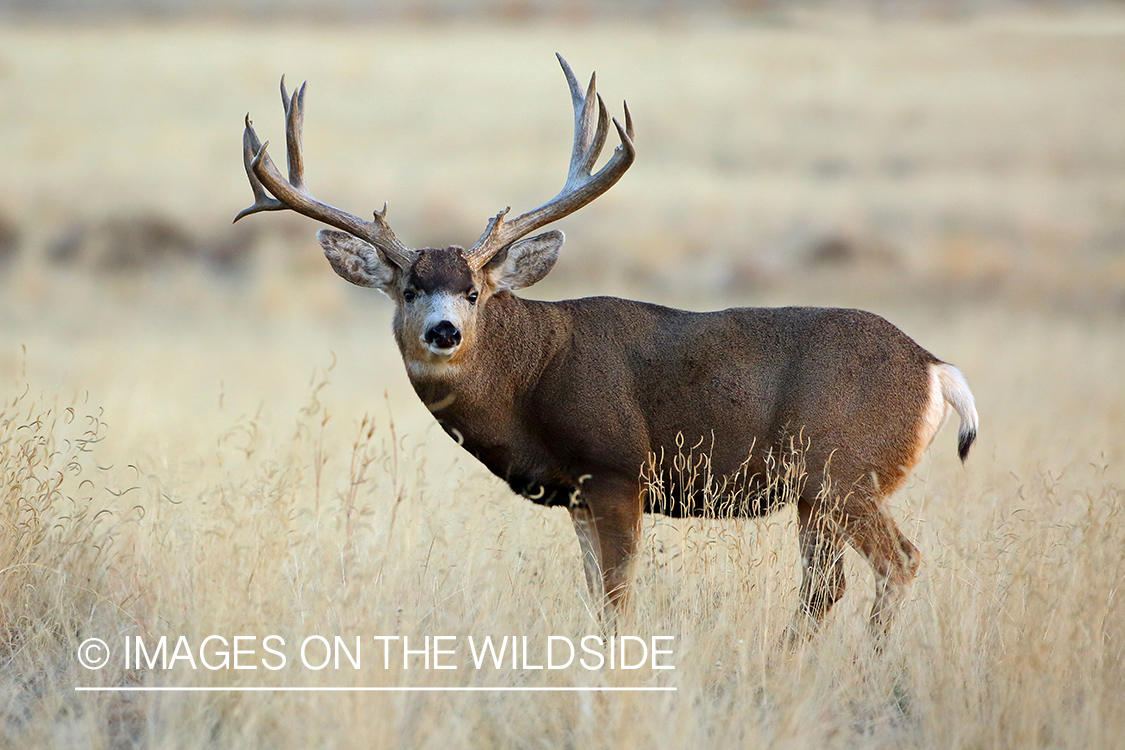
[(438, 296)]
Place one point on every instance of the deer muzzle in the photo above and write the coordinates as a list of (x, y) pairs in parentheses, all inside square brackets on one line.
[(442, 336)]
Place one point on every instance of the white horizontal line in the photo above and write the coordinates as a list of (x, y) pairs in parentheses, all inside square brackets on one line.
[(468, 689)]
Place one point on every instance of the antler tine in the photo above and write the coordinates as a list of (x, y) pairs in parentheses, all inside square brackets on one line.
[(262, 200), (582, 168), (583, 103), (581, 187), (294, 122), (266, 180)]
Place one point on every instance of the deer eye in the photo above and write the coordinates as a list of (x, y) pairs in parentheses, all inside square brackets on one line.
[(409, 295), (472, 297)]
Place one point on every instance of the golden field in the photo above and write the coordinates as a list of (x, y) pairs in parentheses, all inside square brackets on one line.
[(192, 446)]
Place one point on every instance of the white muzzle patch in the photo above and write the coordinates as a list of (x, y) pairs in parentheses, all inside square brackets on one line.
[(443, 307)]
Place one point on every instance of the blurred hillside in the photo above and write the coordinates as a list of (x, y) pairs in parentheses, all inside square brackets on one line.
[(172, 467), (813, 153), (771, 10)]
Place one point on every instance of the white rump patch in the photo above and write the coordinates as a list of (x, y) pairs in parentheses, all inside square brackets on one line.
[(934, 414)]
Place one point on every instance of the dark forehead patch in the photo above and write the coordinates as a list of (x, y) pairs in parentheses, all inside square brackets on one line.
[(443, 270)]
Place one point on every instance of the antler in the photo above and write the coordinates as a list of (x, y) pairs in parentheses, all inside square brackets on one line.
[(581, 187), (292, 193)]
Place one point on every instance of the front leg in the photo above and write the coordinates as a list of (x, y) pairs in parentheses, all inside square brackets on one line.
[(587, 530), (607, 518)]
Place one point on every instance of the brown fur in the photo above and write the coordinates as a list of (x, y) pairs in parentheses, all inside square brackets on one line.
[(611, 408), (440, 269), (577, 396)]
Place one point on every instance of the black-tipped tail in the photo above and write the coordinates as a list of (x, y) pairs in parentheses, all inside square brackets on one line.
[(965, 441), (956, 392)]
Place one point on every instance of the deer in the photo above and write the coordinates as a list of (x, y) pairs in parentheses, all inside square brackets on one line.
[(579, 403)]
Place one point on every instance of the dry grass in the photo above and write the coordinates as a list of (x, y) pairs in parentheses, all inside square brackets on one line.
[(194, 455)]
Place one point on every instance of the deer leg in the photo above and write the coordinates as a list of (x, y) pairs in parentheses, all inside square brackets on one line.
[(891, 555), (822, 571), (608, 521), (587, 530)]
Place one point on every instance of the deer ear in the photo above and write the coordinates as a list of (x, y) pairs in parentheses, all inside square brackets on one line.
[(525, 262), (355, 260)]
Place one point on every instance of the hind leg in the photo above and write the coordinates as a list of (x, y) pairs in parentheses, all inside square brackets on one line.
[(822, 570), (893, 558)]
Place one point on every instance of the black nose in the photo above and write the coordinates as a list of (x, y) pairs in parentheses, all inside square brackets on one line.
[(444, 335)]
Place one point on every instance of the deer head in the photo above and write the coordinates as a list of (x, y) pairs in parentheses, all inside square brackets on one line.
[(439, 292)]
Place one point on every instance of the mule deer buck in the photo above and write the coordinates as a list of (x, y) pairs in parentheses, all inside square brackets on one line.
[(569, 401)]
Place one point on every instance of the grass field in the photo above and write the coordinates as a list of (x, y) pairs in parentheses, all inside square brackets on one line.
[(191, 451)]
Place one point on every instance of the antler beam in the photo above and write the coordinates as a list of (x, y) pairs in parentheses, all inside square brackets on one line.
[(272, 192), (581, 187)]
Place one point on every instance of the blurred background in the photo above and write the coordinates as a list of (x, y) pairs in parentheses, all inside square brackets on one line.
[(924, 160), (971, 144), (244, 416)]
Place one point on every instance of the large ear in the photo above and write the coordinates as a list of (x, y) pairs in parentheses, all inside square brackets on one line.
[(355, 260), (525, 262)]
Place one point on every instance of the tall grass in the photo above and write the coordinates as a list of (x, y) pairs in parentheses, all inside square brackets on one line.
[(1013, 636), (961, 179), (61, 576)]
